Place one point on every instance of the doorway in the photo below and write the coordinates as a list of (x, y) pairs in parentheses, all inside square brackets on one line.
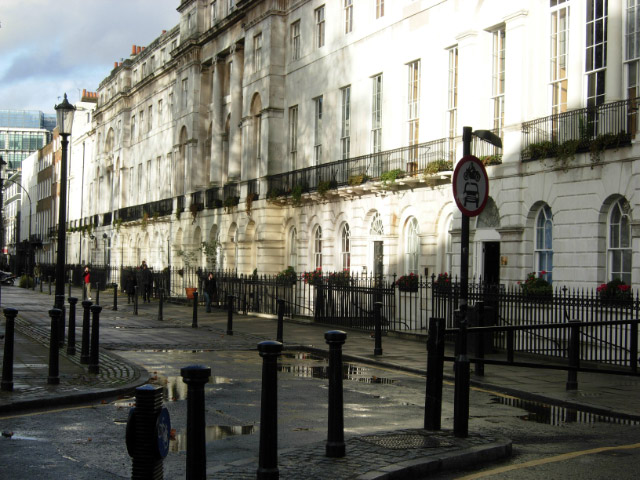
[(491, 263)]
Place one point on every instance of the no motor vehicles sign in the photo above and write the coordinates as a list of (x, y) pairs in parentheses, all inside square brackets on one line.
[(470, 186)]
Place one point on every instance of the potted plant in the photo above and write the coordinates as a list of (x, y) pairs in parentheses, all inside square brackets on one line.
[(340, 279), (408, 283), (287, 276), (536, 286), (442, 282), (614, 292), (313, 278)]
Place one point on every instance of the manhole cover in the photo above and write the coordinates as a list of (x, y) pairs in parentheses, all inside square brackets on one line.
[(398, 441)]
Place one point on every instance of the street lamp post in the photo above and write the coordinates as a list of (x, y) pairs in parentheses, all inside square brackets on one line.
[(64, 114)]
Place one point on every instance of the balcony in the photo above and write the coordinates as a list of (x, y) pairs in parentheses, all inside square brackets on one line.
[(591, 129), (213, 197)]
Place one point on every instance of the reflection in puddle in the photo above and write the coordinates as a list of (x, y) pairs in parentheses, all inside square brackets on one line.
[(211, 433), (175, 389), (310, 366), (554, 415)]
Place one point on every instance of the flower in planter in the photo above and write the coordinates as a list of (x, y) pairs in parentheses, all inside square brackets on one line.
[(443, 279), (615, 290), (408, 283), (314, 277), (339, 278), (536, 286), (287, 276)]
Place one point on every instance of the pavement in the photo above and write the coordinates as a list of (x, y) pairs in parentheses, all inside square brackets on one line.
[(388, 455)]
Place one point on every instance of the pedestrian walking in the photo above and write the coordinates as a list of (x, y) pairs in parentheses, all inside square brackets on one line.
[(210, 291), (87, 282), (146, 279), (130, 286)]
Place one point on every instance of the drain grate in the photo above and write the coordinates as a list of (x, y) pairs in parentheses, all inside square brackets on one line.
[(399, 441)]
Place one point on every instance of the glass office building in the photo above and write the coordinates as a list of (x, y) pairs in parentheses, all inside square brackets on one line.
[(22, 132)]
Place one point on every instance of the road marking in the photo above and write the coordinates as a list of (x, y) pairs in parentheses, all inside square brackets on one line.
[(46, 412), (543, 461)]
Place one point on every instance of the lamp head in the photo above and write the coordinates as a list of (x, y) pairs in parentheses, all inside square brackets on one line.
[(64, 116), (489, 136)]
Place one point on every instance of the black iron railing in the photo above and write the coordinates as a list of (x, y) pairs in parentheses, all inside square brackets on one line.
[(591, 129), (213, 197), (253, 188), (180, 203), (197, 199)]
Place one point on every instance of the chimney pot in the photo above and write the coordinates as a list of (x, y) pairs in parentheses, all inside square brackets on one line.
[(139, 49), (115, 64), (133, 50)]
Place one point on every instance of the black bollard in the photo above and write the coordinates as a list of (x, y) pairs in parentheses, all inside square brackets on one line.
[(335, 439), (377, 349), (435, 374), (148, 434), (135, 300), (97, 293), (40, 283), (69, 288), (479, 337), (49, 284), (160, 304), (462, 377), (71, 337), (61, 324), (54, 360), (268, 457), (86, 331), (230, 299), (574, 355), (195, 376), (194, 320), (115, 297), (94, 359), (7, 360), (280, 320)]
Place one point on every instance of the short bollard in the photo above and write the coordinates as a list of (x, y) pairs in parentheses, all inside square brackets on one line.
[(280, 332), (135, 300), (86, 331), (335, 439), (435, 374), (574, 355), (97, 293), (148, 434), (54, 360), (160, 304), (69, 289), (377, 308), (71, 337), (94, 359), (194, 320), (7, 360), (196, 376), (115, 297), (41, 284), (462, 378), (59, 304), (230, 299), (49, 284), (268, 456)]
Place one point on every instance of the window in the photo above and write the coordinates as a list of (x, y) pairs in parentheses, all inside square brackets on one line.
[(379, 8), (163, 56), (596, 51), (412, 247), (141, 120), (147, 181), (619, 251), (160, 111), (190, 22), (345, 135), (257, 52), (376, 114), (413, 106), (319, 15), (293, 137), (498, 80), (559, 55), (184, 92), (452, 97), (149, 118), (317, 248), (213, 10), (544, 244), (133, 128), (293, 248), (232, 5), (258, 138), (377, 228), (348, 16), (317, 132), (345, 255), (295, 40)]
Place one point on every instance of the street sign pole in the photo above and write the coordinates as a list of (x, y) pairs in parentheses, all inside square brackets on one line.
[(464, 251)]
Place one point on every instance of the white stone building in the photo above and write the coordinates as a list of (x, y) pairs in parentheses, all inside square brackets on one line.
[(310, 103)]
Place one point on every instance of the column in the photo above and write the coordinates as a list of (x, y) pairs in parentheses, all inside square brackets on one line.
[(235, 142), (215, 169)]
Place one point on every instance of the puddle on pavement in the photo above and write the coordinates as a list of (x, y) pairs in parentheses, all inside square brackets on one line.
[(211, 433), (173, 389), (554, 415), (164, 350), (310, 366), (20, 437)]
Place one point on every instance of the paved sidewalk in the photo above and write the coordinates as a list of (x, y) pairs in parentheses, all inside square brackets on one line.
[(430, 451)]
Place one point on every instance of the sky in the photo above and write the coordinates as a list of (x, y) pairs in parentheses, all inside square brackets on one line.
[(49, 47)]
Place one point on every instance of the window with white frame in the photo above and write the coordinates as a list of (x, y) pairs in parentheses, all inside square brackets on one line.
[(452, 97), (295, 40), (293, 248), (160, 111), (413, 102), (499, 38), (317, 131), (257, 52), (348, 16), (317, 248), (376, 114), (345, 243), (619, 252), (133, 128), (559, 54), (379, 8), (149, 118), (293, 137), (412, 246), (141, 120), (345, 130), (185, 88), (596, 51), (632, 48), (543, 252), (377, 227), (213, 12), (319, 16)]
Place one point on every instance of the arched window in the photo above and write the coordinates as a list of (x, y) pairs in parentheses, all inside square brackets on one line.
[(619, 244), (345, 254), (412, 247), (317, 248), (544, 244), (293, 248), (377, 228)]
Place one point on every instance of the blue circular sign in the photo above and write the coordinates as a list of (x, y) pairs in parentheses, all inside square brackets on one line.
[(163, 432)]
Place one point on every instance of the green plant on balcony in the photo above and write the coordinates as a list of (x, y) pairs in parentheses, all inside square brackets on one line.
[(193, 208), (118, 224), (390, 176), (155, 215), (488, 160), (540, 150), (178, 213), (326, 185), (145, 221), (296, 195), (230, 202), (355, 180), (274, 194), (606, 141), (438, 166), (251, 197)]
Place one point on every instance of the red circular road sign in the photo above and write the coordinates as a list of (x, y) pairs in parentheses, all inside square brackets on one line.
[(470, 186)]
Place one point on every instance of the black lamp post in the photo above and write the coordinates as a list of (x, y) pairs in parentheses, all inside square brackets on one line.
[(64, 114)]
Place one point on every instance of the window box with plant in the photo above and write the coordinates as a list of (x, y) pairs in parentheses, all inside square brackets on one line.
[(326, 185), (231, 202), (391, 176), (251, 197), (340, 279), (615, 292), (536, 287), (288, 276), (437, 166), (442, 282), (408, 283), (313, 278)]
